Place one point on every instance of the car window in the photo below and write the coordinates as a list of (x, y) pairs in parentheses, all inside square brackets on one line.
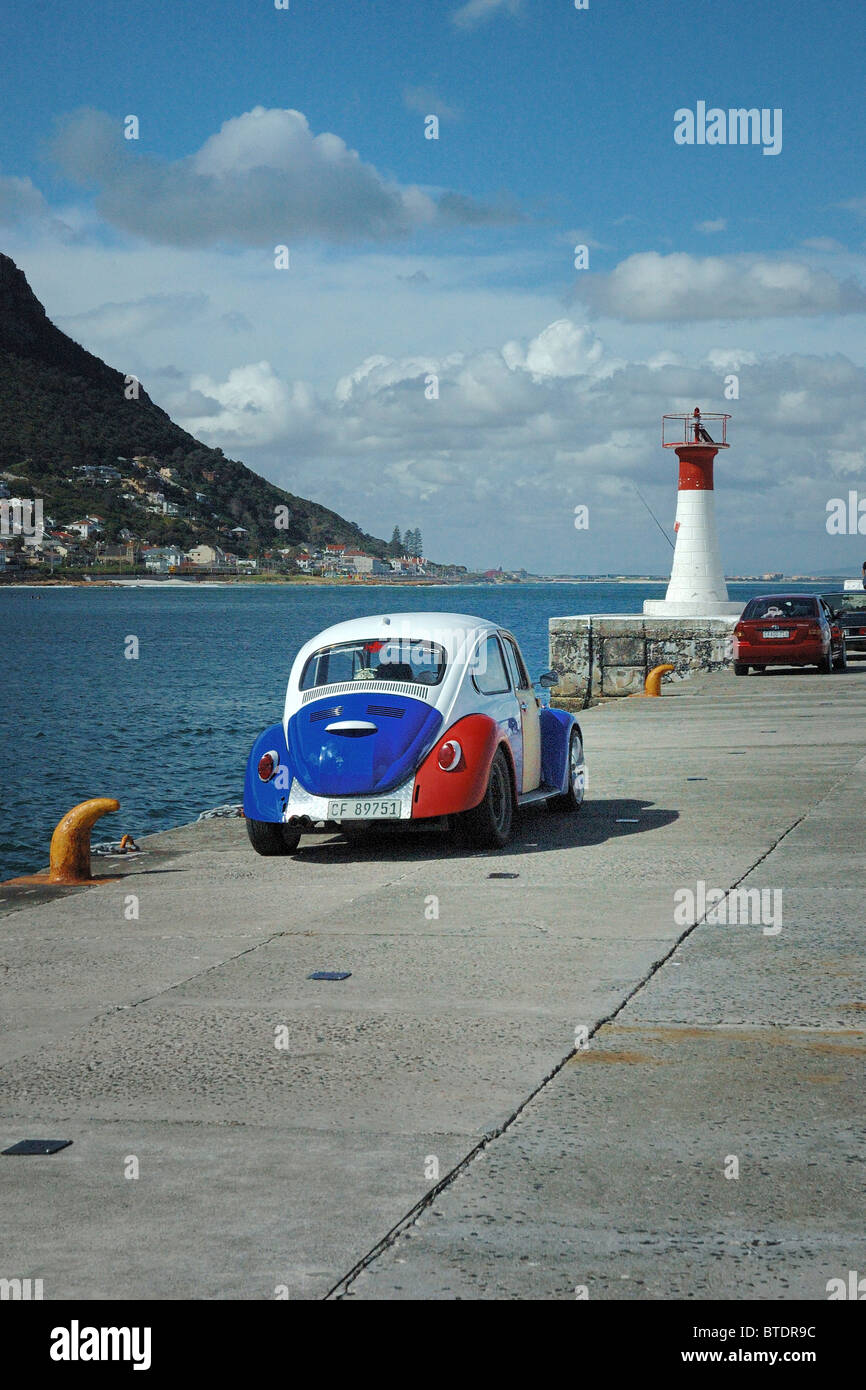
[(400, 659), (488, 669), (778, 606), (519, 673), (852, 600)]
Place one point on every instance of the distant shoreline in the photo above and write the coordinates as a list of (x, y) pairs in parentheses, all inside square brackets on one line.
[(136, 582)]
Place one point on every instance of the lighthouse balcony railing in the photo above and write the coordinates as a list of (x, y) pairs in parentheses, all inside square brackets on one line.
[(711, 428)]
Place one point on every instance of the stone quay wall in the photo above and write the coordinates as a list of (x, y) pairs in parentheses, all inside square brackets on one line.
[(602, 656)]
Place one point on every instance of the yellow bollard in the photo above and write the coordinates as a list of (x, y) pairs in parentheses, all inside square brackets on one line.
[(69, 861), (653, 682)]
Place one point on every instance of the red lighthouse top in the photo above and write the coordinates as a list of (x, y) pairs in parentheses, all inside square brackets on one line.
[(695, 430)]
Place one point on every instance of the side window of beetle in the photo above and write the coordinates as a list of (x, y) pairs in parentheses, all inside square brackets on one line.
[(519, 673), (488, 669)]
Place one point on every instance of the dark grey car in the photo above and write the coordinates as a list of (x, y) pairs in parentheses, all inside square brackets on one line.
[(849, 608)]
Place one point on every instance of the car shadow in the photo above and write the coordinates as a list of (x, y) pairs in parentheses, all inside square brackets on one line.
[(854, 668), (535, 829)]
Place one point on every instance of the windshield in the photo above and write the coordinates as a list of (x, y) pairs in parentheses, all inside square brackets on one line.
[(780, 607), (850, 601), (409, 660)]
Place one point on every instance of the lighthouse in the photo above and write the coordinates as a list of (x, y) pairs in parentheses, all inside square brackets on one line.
[(697, 587)]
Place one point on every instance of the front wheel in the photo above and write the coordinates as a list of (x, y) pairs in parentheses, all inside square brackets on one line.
[(269, 838), (572, 800), (488, 825)]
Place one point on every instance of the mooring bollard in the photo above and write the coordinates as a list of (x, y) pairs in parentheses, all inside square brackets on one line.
[(69, 860), (653, 682)]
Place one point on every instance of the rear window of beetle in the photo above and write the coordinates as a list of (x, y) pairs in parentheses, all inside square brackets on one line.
[(412, 662)]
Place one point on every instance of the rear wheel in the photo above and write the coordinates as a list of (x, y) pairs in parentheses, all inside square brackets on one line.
[(488, 824), (841, 662), (825, 665), (572, 800), (740, 669), (269, 838)]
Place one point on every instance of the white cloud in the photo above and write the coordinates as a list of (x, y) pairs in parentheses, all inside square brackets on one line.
[(263, 179), (665, 358), (826, 244), (477, 11), (650, 287), (855, 205), (427, 102), (718, 224), (20, 199), (563, 349), (730, 359), (134, 317), (252, 406)]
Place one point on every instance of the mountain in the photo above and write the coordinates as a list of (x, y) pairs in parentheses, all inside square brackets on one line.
[(61, 408)]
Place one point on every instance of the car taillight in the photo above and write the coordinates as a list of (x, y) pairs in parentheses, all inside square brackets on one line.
[(268, 764), (450, 755), (815, 630), (739, 631)]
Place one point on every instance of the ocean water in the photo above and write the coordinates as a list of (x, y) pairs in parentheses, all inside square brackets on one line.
[(168, 734)]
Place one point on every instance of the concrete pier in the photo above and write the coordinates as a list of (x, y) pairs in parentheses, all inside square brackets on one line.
[(528, 1086)]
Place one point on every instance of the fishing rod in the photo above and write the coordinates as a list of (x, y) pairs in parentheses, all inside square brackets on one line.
[(653, 515)]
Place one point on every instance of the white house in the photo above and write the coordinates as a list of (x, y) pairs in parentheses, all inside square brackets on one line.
[(86, 529), (207, 557), (162, 558)]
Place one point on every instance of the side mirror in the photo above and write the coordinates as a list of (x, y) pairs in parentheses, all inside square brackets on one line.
[(548, 679)]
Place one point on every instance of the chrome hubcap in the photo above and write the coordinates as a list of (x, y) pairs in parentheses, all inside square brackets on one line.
[(498, 800), (577, 769)]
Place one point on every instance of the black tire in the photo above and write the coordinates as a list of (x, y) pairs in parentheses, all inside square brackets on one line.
[(572, 800), (268, 838), (740, 669), (825, 665), (841, 664), (488, 825)]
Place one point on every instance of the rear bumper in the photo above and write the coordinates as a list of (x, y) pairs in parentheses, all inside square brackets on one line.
[(304, 810), (779, 653)]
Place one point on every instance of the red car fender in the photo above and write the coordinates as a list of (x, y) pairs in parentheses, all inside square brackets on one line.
[(439, 793)]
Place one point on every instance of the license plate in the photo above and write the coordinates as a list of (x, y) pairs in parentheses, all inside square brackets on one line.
[(775, 632), (363, 810)]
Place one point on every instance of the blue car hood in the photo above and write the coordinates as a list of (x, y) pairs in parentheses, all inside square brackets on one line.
[(353, 763)]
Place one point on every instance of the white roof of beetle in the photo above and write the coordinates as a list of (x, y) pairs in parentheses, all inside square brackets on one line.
[(450, 629)]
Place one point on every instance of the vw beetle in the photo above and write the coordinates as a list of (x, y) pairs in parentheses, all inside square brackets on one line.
[(405, 718)]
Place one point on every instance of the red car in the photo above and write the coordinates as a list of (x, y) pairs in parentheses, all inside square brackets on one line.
[(788, 630)]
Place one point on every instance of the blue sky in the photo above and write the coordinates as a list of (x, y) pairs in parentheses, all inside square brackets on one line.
[(455, 256)]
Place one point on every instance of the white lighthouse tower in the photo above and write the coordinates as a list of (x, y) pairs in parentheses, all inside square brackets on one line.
[(697, 587)]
